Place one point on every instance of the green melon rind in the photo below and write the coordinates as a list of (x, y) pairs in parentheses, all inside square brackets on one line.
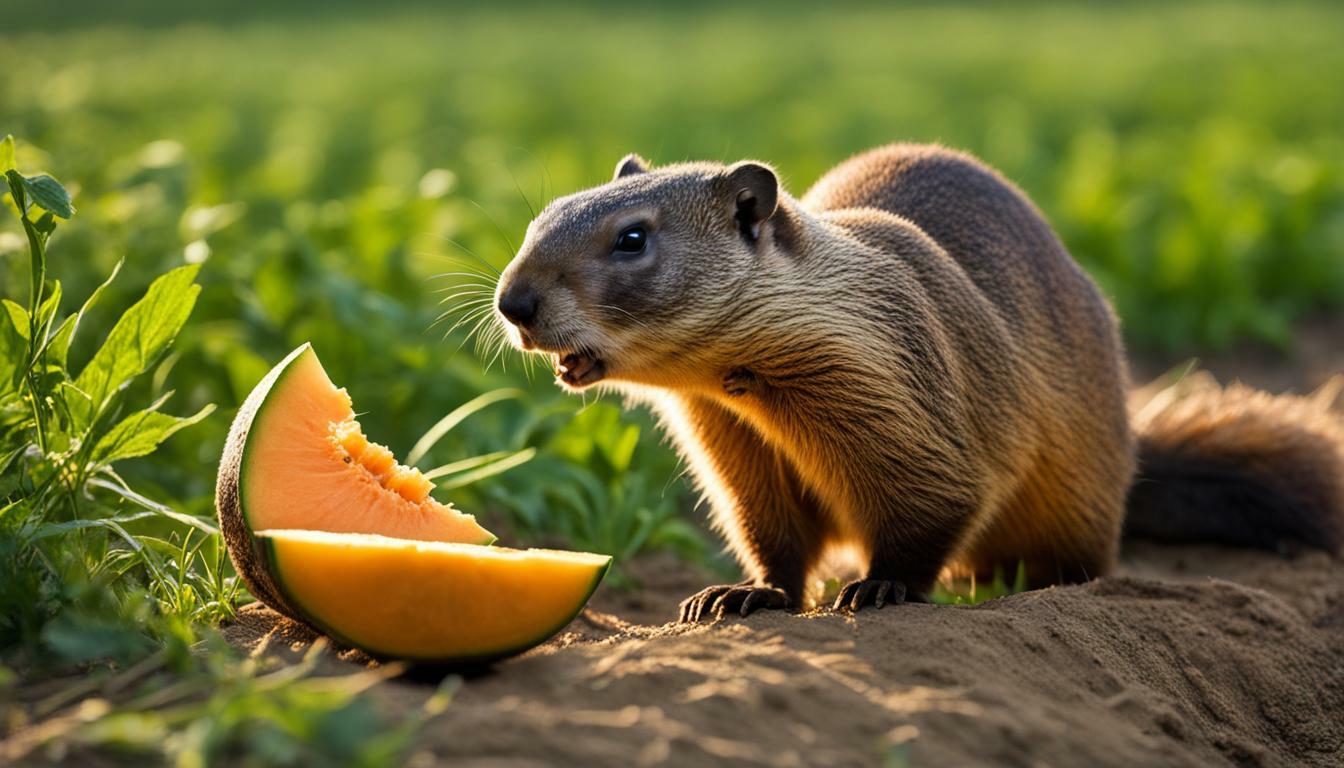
[(257, 418), (248, 559), (266, 545)]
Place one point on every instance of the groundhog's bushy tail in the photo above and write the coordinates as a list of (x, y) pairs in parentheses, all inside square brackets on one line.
[(1238, 466)]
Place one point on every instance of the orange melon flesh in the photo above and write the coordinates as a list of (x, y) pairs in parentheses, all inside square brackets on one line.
[(430, 601), (307, 465)]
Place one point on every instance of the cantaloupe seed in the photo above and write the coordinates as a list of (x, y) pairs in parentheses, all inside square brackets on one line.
[(357, 450)]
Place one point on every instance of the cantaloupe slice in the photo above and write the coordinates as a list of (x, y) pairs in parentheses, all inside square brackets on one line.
[(302, 461), (296, 458), (429, 601), (330, 530)]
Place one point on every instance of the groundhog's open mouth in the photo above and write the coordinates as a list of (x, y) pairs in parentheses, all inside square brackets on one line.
[(579, 368)]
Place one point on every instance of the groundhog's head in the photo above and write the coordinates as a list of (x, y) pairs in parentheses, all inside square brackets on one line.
[(628, 280)]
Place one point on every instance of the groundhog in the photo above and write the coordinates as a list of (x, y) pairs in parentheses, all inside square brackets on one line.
[(906, 364)]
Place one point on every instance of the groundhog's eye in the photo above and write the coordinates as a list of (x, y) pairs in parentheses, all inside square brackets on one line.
[(631, 241)]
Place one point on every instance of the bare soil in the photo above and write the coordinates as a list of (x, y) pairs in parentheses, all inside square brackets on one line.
[(1189, 656)]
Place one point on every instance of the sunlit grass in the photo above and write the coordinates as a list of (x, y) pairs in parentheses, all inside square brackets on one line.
[(970, 591)]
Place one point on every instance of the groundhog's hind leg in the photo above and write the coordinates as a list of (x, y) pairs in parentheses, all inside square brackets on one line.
[(1062, 524), (772, 523)]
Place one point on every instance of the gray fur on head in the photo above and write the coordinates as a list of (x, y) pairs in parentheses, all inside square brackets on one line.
[(645, 314)]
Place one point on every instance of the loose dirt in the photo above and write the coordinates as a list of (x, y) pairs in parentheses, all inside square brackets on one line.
[(1188, 656)]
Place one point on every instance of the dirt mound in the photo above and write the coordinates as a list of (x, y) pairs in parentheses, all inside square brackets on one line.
[(1161, 665)]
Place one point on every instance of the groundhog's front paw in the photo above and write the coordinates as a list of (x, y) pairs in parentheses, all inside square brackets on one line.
[(874, 592), (740, 381), (742, 598)]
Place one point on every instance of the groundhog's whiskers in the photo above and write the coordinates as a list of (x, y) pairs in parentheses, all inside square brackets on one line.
[(467, 308), (530, 210), (474, 315), (626, 316), (489, 279), (498, 228), (466, 296), (470, 253), (472, 294)]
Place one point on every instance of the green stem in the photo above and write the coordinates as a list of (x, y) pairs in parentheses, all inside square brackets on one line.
[(38, 252), (34, 397), (36, 349), (39, 278)]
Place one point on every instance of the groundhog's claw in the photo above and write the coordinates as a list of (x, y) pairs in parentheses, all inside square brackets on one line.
[(741, 598), (697, 605), (875, 592)]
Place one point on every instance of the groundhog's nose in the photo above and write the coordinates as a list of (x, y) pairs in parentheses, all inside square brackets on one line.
[(519, 305)]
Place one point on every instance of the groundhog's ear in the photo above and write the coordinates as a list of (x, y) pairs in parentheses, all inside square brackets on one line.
[(630, 165), (755, 193)]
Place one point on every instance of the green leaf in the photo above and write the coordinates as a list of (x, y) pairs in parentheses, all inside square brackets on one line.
[(85, 638), (162, 546), (45, 224), (141, 432), (624, 448), (13, 350), (76, 400), (489, 470), (465, 464), (47, 530), (141, 336), (7, 154), (121, 489), (58, 349), (46, 314), (48, 193), (58, 346), (18, 317)]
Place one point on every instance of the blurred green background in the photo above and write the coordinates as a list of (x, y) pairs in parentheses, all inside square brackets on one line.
[(325, 163)]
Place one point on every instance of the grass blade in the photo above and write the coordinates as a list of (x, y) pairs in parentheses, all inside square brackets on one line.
[(445, 424), (489, 470), (125, 492)]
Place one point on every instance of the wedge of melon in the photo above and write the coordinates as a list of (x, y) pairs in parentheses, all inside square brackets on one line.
[(296, 458), (429, 601), (327, 528)]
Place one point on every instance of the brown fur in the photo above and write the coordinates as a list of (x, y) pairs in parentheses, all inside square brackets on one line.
[(1239, 466), (905, 361)]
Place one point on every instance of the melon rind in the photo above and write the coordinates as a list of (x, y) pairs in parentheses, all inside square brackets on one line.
[(244, 550)]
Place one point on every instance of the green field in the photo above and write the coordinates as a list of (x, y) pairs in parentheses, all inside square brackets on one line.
[(325, 169)]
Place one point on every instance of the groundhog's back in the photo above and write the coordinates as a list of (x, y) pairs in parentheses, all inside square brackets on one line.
[(1060, 326)]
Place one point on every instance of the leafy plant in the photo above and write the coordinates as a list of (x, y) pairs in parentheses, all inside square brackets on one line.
[(67, 518), (99, 580), (218, 708)]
